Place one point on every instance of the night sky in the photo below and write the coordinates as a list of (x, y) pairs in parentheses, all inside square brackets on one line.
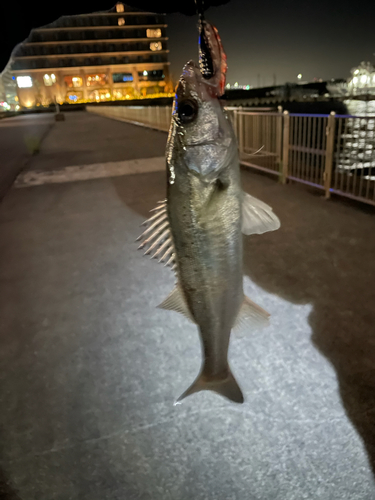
[(318, 38)]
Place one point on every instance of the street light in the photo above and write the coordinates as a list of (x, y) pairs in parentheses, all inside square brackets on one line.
[(299, 76)]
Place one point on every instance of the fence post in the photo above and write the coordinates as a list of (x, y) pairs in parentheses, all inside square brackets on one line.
[(235, 124), (285, 160), (158, 124), (279, 137), (240, 130), (330, 133), (168, 112)]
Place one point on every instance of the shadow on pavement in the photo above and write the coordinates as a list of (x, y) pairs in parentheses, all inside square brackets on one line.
[(323, 255)]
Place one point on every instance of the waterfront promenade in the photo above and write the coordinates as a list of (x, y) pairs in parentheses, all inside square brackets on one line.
[(90, 368)]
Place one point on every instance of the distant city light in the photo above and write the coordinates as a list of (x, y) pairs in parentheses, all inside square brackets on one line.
[(364, 79), (299, 76), (108, 95), (247, 87), (53, 78), (24, 82), (236, 84), (356, 71), (228, 85), (145, 73)]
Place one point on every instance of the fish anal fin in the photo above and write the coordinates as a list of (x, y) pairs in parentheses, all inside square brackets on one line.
[(250, 316), (176, 302), (257, 216)]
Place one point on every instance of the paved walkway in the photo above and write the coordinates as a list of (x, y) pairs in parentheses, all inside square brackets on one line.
[(89, 368)]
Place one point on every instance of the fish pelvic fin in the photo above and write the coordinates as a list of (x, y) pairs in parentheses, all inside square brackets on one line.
[(226, 386)]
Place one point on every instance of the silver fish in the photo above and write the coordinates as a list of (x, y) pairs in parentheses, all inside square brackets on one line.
[(198, 228)]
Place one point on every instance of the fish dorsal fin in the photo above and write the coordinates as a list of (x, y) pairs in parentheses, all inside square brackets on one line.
[(157, 236), (250, 316), (257, 217), (176, 302)]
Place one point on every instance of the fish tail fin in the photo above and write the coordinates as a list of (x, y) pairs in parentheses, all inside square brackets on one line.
[(227, 387)]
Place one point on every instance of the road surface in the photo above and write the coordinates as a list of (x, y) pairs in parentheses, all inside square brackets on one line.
[(90, 369)]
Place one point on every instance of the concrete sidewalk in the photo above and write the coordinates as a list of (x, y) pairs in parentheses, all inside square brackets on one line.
[(89, 368)]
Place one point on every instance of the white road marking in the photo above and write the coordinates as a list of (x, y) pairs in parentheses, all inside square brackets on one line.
[(93, 171)]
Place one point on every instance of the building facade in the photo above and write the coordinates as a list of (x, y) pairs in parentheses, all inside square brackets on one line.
[(112, 55)]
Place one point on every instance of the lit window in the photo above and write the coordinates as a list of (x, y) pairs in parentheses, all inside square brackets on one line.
[(155, 46), (151, 33), (77, 81), (122, 77), (121, 21), (74, 96), (119, 7), (24, 82), (47, 80), (153, 75), (95, 80), (73, 81)]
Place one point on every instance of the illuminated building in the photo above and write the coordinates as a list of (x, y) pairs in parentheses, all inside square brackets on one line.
[(116, 54), (362, 80), (8, 91)]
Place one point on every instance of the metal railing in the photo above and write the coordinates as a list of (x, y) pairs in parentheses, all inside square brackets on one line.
[(334, 153), (157, 117)]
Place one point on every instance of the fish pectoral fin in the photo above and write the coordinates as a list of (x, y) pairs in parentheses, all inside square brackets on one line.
[(176, 302), (250, 315), (257, 217)]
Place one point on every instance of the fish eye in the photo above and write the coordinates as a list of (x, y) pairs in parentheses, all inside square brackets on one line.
[(187, 111)]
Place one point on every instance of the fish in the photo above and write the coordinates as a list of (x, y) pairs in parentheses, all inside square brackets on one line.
[(198, 229)]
